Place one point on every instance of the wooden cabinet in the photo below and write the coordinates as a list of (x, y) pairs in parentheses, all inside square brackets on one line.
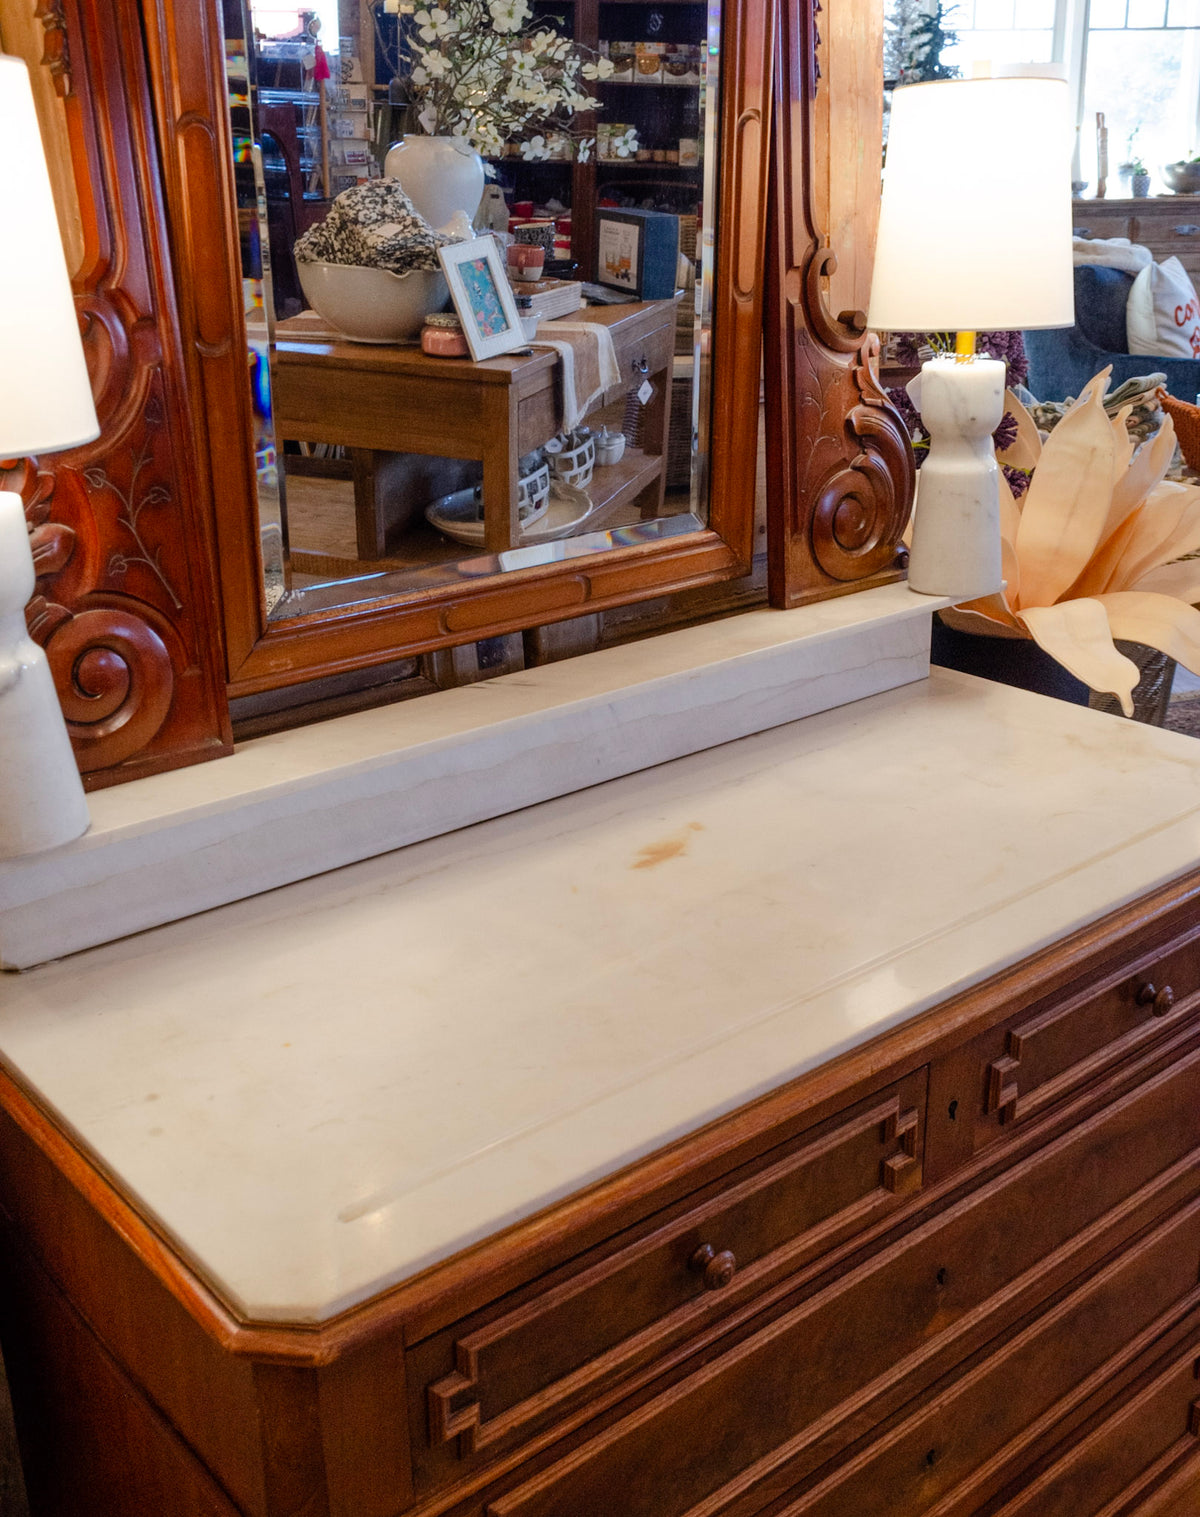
[(955, 1271), (1169, 225)]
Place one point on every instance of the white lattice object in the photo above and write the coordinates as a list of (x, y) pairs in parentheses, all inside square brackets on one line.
[(575, 466), (533, 496)]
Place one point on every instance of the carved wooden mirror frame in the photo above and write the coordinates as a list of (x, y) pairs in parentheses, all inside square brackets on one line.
[(148, 640), (840, 463), (188, 86)]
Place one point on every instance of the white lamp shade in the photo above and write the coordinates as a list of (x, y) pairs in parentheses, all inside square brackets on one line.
[(45, 398), (975, 222)]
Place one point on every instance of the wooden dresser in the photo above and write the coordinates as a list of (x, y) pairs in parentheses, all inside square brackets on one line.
[(1169, 225), (952, 1269)]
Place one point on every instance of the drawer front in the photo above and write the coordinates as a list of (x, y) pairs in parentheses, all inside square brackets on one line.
[(639, 357), (1100, 224), (926, 1464), (1150, 1435), (1171, 231), (753, 1413), (512, 1373), (1049, 1053)]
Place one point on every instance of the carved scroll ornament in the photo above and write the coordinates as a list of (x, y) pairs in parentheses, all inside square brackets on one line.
[(123, 604), (842, 465)]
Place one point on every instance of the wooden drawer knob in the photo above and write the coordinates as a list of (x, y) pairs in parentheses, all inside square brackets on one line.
[(718, 1269), (1160, 1001)]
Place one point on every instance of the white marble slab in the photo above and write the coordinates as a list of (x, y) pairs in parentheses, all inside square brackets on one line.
[(286, 807), (323, 1090)]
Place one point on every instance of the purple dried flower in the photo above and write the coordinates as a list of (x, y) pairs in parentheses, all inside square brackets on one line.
[(1006, 433), (907, 348), (1018, 480), (1010, 346), (910, 416)]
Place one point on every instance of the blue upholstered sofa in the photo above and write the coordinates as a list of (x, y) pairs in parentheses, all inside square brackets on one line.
[(1061, 362)]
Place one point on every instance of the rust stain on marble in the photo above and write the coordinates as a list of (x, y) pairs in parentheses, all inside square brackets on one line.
[(671, 847)]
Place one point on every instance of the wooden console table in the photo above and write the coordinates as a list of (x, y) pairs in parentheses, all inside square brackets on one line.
[(396, 399)]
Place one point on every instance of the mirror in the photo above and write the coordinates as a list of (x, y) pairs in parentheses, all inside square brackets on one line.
[(388, 461)]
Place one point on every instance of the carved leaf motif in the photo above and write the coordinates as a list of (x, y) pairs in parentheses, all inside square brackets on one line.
[(52, 545), (43, 618)]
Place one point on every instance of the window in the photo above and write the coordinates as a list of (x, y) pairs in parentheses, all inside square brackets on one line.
[(1137, 61), (1141, 67)]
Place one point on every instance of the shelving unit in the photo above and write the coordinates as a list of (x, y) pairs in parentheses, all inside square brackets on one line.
[(664, 113)]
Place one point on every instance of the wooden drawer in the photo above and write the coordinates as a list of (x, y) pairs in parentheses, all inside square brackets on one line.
[(897, 1319), (647, 352), (1100, 223), (490, 1380), (1150, 1436), (1057, 1048), (929, 1464)]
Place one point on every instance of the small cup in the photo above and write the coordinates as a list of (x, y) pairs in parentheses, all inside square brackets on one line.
[(526, 260), (537, 233), (522, 209)]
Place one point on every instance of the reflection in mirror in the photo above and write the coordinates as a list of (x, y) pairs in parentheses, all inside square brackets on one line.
[(390, 460)]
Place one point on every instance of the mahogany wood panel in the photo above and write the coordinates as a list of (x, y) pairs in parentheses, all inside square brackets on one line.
[(188, 89), (894, 1311), (1085, 1341), (643, 1296), (1148, 1437), (125, 601), (839, 461), (91, 1441)]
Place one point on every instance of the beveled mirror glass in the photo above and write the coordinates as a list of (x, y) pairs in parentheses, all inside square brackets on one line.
[(383, 467)]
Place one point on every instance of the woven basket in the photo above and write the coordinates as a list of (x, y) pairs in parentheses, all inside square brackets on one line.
[(1187, 428), (1152, 693), (679, 432)]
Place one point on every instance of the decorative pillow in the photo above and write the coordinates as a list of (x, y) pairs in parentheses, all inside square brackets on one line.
[(1163, 313)]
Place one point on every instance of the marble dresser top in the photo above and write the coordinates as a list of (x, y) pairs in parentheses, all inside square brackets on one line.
[(321, 1091)]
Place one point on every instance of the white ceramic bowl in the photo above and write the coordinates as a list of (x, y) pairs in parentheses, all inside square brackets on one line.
[(372, 305)]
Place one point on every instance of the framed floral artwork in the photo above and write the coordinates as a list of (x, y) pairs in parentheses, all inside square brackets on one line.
[(483, 297)]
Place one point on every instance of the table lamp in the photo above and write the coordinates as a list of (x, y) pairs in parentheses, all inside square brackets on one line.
[(974, 235), (45, 405)]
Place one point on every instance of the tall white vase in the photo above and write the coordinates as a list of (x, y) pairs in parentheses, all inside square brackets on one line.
[(439, 176), (41, 796)]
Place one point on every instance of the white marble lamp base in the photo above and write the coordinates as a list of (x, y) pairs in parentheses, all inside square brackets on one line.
[(956, 525), (42, 803)]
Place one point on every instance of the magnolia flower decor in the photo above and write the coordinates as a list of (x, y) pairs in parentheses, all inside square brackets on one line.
[(1091, 551), (485, 72)]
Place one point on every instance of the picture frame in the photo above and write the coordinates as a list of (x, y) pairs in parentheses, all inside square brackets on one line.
[(483, 297)]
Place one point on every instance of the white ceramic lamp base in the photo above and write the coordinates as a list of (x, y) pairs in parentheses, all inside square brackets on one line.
[(956, 525), (42, 803)]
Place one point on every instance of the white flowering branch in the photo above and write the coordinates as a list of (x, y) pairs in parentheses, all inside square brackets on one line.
[(485, 72)]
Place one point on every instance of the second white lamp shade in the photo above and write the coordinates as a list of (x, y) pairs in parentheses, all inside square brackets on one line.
[(45, 397), (975, 222)]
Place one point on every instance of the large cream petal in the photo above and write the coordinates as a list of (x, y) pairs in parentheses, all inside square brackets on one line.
[(1010, 525), (1026, 448), (1165, 527), (1122, 443), (1182, 580), (1160, 621), (983, 615), (1076, 633), (1104, 563), (1068, 502), (1144, 472)]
